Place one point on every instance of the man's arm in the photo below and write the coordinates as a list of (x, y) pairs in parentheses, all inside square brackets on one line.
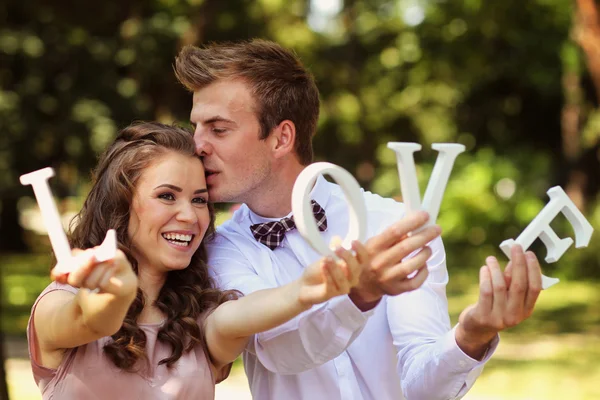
[(430, 364), (505, 300), (316, 336), (323, 332), (435, 362)]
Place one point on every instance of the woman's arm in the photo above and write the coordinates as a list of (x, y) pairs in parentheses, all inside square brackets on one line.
[(65, 320), (232, 323)]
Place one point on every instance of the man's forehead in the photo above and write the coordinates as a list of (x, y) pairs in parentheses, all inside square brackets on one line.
[(224, 91), (222, 104)]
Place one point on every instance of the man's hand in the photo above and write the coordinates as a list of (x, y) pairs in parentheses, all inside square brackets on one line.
[(390, 271), (505, 300)]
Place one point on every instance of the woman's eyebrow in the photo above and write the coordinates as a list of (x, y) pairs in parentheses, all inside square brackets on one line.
[(168, 185)]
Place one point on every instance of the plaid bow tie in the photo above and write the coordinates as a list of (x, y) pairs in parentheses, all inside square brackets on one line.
[(271, 234)]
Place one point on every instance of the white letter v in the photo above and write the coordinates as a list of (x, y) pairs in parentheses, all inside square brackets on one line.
[(437, 183)]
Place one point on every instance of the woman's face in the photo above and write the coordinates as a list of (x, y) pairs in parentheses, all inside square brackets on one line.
[(169, 214)]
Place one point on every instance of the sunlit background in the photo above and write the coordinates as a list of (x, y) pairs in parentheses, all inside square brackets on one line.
[(517, 82)]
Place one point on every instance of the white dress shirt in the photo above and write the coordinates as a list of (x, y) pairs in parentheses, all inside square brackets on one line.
[(403, 349)]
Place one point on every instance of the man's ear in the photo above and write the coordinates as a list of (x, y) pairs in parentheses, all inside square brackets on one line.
[(282, 138)]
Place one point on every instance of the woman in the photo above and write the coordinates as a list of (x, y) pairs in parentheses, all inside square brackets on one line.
[(152, 324)]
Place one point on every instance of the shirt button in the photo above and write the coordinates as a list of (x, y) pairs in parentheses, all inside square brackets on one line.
[(462, 363)]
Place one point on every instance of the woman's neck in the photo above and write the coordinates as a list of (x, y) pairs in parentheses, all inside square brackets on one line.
[(150, 282)]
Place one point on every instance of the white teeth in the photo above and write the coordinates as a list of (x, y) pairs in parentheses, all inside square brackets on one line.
[(178, 236), (182, 244)]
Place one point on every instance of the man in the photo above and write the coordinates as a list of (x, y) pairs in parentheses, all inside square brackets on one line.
[(255, 110)]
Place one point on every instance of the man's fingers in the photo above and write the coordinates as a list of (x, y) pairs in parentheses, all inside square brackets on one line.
[(534, 273), (498, 286), (402, 270), (508, 274), (397, 253), (415, 282), (486, 291), (518, 287), (518, 269), (415, 242), (393, 233)]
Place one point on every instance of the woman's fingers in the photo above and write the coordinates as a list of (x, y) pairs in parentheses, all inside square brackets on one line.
[(113, 276), (362, 255), (339, 271), (348, 264), (326, 270), (99, 274), (82, 265), (95, 276)]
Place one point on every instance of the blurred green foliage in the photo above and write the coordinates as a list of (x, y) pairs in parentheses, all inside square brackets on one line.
[(23, 279), (490, 75), (498, 77)]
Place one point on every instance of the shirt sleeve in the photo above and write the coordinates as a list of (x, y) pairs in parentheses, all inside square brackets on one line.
[(430, 363), (312, 338)]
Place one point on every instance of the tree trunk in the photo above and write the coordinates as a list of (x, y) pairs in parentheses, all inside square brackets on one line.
[(571, 144), (11, 232), (586, 33), (11, 240), (3, 384)]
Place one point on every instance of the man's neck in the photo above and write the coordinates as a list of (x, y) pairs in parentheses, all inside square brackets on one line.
[(275, 198)]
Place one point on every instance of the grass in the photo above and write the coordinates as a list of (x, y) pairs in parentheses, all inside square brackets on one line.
[(553, 355)]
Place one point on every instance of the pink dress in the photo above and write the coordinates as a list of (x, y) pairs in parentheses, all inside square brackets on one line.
[(86, 373)]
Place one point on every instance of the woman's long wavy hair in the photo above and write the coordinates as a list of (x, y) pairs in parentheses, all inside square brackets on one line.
[(186, 293)]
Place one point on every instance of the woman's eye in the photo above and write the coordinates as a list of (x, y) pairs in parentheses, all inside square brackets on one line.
[(199, 200), (166, 196)]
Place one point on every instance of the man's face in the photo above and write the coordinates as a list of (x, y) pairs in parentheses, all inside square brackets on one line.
[(227, 133)]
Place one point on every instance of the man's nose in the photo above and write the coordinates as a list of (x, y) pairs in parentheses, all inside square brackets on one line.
[(203, 147)]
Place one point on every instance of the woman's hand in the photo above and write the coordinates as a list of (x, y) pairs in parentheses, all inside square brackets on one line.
[(114, 276), (328, 278)]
